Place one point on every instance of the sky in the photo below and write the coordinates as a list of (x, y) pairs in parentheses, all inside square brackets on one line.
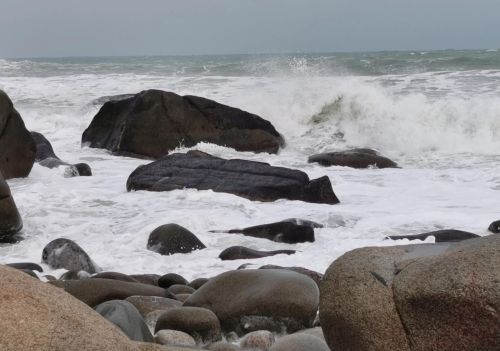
[(54, 28)]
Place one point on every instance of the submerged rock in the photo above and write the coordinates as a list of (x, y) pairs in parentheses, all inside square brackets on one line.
[(441, 296), (10, 219), (65, 253), (281, 232), (17, 147), (171, 238), (153, 122), (250, 300), (46, 157), (441, 236), (355, 158), (243, 253), (252, 180)]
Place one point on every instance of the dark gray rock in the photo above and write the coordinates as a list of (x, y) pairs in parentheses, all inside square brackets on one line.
[(17, 147), (153, 122), (26, 265), (355, 158), (244, 253), (249, 300), (494, 227), (10, 219), (442, 236), (252, 180), (170, 279), (65, 253), (148, 304), (96, 290), (281, 232), (126, 317), (46, 157), (171, 238), (201, 323)]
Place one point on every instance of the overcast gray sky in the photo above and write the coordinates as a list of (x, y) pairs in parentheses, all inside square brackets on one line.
[(32, 28)]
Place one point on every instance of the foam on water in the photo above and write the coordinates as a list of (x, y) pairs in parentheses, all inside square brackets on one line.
[(441, 126)]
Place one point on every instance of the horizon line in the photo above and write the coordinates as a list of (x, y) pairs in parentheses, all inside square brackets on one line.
[(251, 54)]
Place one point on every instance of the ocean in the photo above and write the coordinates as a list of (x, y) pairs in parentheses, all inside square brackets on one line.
[(437, 114)]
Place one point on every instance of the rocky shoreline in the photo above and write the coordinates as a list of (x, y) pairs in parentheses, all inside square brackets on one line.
[(442, 296)]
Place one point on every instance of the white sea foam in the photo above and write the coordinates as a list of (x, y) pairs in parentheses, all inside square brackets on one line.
[(445, 137)]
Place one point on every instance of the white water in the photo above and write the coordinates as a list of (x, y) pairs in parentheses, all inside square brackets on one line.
[(442, 128)]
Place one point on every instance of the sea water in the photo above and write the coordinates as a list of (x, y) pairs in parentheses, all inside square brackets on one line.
[(437, 114)]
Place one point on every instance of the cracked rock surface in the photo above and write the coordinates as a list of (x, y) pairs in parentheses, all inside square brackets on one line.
[(414, 297)]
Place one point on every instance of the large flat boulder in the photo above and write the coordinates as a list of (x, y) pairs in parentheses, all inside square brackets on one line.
[(17, 147), (10, 220), (153, 122), (416, 297), (250, 300), (252, 180)]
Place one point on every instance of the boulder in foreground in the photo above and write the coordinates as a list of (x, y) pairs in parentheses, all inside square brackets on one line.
[(17, 147), (416, 297), (153, 122), (252, 180), (265, 299), (38, 316), (10, 220), (355, 158)]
